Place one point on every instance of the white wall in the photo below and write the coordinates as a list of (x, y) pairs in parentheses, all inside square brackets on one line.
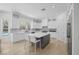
[(75, 30)]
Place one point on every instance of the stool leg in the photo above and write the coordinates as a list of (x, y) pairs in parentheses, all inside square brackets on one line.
[(40, 45), (29, 47), (25, 46), (35, 48)]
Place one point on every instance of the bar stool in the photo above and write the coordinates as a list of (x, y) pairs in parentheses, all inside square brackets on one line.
[(33, 40)]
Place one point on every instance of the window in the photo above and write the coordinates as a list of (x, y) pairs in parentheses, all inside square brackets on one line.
[(5, 26)]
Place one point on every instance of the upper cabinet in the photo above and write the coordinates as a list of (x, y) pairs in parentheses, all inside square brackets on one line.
[(37, 24), (52, 23), (45, 22)]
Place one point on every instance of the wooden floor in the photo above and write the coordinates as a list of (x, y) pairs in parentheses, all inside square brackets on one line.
[(55, 47)]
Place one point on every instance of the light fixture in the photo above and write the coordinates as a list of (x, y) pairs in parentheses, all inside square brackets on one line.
[(53, 6), (43, 9)]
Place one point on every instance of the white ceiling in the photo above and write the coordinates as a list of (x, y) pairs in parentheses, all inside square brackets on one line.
[(34, 9)]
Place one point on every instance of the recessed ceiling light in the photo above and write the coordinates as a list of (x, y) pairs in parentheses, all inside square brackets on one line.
[(53, 6)]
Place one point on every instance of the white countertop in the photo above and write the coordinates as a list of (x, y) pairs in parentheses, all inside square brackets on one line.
[(38, 34)]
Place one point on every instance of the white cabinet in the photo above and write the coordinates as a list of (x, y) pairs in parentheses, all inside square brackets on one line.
[(53, 35), (18, 36), (45, 22), (37, 24)]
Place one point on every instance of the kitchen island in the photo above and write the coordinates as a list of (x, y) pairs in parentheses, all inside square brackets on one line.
[(43, 37)]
